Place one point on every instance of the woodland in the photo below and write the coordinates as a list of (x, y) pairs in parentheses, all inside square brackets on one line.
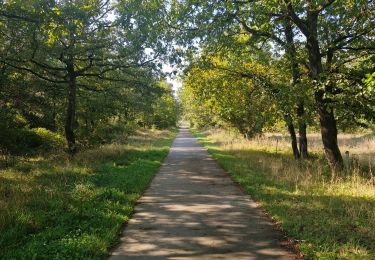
[(285, 88), (305, 63), (79, 71)]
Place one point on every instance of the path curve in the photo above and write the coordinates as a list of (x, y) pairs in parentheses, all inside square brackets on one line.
[(193, 210)]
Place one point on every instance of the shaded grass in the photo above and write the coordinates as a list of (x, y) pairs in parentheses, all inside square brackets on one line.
[(328, 219), (59, 208)]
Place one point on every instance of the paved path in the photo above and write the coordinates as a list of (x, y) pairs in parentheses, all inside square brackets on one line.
[(193, 210)]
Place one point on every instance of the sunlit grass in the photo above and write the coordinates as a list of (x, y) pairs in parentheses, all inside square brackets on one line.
[(328, 218), (359, 147), (59, 208)]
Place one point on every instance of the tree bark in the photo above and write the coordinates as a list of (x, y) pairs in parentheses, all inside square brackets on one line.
[(328, 125), (71, 110), (54, 114), (292, 53), (293, 137), (302, 126), (328, 129)]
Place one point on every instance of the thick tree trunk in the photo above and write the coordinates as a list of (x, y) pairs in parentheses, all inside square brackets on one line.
[(293, 137), (292, 54), (71, 111), (327, 120), (328, 131)]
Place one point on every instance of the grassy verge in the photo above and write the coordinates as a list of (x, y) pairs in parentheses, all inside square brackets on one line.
[(329, 219), (54, 208)]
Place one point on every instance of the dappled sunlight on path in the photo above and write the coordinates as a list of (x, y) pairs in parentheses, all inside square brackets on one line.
[(194, 210)]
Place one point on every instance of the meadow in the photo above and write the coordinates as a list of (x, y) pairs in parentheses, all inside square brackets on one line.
[(325, 217), (56, 207)]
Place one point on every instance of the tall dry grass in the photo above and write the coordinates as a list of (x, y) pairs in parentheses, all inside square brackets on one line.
[(331, 218), (355, 148)]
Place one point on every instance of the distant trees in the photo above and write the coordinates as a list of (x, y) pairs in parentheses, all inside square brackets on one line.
[(230, 96), (97, 55), (165, 109)]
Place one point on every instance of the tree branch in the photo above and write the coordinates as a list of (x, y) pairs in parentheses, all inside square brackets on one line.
[(33, 73), (260, 33), (302, 25)]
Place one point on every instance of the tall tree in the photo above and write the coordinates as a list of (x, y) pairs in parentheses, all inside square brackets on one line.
[(333, 30)]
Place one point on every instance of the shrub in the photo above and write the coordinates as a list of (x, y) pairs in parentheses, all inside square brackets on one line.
[(26, 141), (48, 139)]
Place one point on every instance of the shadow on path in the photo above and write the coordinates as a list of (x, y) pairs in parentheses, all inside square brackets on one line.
[(193, 210)]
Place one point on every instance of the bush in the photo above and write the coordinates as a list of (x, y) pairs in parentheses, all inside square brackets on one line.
[(26, 141)]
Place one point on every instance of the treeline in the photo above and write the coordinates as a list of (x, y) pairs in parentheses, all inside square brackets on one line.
[(80, 73), (258, 63)]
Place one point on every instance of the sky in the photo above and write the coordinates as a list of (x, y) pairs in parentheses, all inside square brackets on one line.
[(176, 84)]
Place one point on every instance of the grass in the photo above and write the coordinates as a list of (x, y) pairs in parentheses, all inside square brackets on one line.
[(329, 219), (355, 147), (55, 208)]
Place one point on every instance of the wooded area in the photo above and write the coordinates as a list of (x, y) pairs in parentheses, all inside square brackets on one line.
[(307, 63), (281, 92), (83, 100), (86, 70)]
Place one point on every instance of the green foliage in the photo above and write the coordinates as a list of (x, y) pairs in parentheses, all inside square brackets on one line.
[(29, 141), (60, 209), (77, 66), (316, 54), (229, 89), (49, 140), (165, 109)]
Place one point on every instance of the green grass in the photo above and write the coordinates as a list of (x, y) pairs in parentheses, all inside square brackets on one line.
[(55, 208), (328, 219)]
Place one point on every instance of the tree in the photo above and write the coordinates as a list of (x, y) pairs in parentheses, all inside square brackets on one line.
[(335, 32), (243, 106), (69, 42)]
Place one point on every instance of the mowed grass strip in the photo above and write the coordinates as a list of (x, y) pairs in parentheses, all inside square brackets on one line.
[(61, 209), (328, 219)]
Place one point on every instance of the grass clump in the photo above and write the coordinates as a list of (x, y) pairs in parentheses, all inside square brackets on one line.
[(56, 208), (330, 219)]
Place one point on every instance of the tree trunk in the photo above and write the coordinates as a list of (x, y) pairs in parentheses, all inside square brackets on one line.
[(54, 114), (302, 138), (293, 137), (71, 111), (327, 120), (328, 129), (290, 49)]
